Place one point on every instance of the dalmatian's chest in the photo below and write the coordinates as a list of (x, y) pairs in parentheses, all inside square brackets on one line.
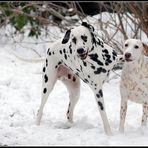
[(93, 70)]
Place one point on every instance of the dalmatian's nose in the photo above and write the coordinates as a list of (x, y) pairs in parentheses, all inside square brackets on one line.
[(80, 51)]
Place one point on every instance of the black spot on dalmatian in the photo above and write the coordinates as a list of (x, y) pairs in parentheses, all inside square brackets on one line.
[(70, 49), (74, 79), (92, 48), (69, 76), (49, 53), (46, 78), (84, 63), (100, 94), (44, 69), (78, 70), (105, 51), (101, 105), (56, 66), (93, 67), (60, 51), (46, 62), (59, 63), (99, 70), (84, 38), (88, 76), (64, 50), (81, 68), (94, 57), (48, 50), (114, 55), (44, 90), (65, 56), (53, 52), (74, 40), (86, 81)]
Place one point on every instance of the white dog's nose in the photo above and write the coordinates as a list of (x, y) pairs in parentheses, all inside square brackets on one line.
[(127, 55)]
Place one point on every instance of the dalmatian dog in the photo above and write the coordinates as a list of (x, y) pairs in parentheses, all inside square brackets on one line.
[(134, 78), (80, 54)]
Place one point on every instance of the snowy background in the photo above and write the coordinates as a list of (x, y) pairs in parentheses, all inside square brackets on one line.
[(20, 96)]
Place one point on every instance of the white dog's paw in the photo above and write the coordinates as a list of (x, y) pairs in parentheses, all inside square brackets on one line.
[(62, 125)]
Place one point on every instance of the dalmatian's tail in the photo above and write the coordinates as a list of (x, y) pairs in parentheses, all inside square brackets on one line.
[(28, 60)]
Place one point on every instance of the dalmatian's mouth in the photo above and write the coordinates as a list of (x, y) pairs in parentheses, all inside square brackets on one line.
[(83, 55)]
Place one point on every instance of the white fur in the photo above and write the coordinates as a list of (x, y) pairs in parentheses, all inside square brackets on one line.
[(134, 79)]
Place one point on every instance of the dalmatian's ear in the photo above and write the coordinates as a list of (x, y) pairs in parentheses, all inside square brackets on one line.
[(145, 49), (66, 37), (90, 27)]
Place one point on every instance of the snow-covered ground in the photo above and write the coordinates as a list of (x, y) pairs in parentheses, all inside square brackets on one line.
[(20, 96)]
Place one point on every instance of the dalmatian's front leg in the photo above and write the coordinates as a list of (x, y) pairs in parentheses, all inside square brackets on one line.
[(100, 102)]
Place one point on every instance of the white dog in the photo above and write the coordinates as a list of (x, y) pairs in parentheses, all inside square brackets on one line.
[(134, 78)]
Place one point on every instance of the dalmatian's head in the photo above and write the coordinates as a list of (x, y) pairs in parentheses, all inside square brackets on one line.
[(80, 39), (134, 49)]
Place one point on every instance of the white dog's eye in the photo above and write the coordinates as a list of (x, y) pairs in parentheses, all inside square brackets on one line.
[(126, 45), (136, 47)]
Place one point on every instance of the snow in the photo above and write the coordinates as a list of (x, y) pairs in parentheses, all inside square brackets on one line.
[(20, 96)]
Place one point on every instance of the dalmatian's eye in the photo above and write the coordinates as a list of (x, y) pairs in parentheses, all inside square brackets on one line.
[(126, 45), (74, 40), (136, 47)]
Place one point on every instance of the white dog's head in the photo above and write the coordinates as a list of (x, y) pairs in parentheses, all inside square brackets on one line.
[(80, 39), (133, 49)]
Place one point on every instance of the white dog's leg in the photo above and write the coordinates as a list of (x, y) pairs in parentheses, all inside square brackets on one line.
[(73, 87), (145, 114), (49, 79), (123, 111), (100, 102)]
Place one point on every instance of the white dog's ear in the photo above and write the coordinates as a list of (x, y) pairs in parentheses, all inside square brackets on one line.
[(66, 37), (145, 49)]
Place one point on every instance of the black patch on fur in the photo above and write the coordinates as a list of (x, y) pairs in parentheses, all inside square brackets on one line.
[(81, 68), (48, 50), (84, 63), (74, 79), (84, 38), (93, 67), (46, 62), (88, 76), (101, 105), (44, 90), (74, 40), (66, 37), (60, 51), (86, 81), (65, 56), (46, 78), (94, 57), (100, 94), (44, 69), (114, 55), (70, 49), (69, 76), (99, 70), (64, 50), (105, 51)]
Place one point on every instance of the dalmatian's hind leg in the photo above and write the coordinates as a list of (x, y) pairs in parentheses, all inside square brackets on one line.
[(73, 87), (49, 80)]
